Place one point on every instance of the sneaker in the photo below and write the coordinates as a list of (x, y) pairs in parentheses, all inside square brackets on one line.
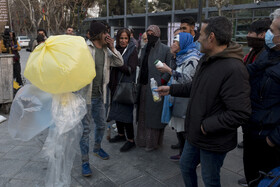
[(242, 182), (101, 154), (127, 146), (240, 145), (117, 138), (86, 171), (175, 157), (176, 146)]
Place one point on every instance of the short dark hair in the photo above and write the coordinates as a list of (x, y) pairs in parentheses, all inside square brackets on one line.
[(260, 26), (119, 35), (69, 26), (40, 38), (221, 27), (189, 20), (43, 30)]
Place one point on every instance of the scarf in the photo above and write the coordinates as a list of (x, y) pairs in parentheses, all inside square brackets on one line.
[(255, 43), (144, 73), (188, 48)]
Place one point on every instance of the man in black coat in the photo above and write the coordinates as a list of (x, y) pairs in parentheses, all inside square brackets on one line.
[(220, 103), (262, 132)]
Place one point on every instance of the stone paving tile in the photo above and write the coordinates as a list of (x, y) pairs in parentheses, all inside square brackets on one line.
[(23, 152), (3, 181), (229, 179), (237, 152), (143, 181), (24, 183), (233, 163), (33, 142), (175, 181), (163, 171), (33, 171), (121, 173), (39, 157), (97, 179), (6, 139), (9, 167), (74, 183), (6, 148)]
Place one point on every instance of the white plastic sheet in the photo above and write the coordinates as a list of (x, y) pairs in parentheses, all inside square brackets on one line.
[(68, 110), (63, 140), (60, 150), (30, 113)]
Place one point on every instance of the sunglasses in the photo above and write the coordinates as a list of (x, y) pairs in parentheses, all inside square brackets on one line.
[(183, 28)]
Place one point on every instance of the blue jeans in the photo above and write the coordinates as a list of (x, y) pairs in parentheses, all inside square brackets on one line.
[(96, 111), (211, 163)]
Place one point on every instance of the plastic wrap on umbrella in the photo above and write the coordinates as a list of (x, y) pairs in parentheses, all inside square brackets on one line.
[(30, 113)]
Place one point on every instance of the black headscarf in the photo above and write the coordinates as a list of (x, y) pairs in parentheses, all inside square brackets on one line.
[(144, 68)]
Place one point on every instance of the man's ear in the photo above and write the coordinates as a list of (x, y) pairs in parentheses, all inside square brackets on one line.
[(211, 37)]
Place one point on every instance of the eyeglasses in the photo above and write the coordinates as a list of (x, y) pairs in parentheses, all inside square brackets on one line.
[(183, 28)]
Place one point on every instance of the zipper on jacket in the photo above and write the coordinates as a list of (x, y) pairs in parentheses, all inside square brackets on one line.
[(262, 89)]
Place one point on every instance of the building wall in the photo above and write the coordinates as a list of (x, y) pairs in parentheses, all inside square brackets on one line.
[(241, 16)]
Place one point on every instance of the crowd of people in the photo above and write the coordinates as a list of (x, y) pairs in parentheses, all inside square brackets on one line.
[(209, 86)]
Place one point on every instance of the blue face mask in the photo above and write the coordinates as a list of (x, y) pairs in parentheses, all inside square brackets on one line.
[(269, 39)]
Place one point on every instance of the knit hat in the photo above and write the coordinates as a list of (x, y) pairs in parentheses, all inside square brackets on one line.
[(155, 29), (96, 28)]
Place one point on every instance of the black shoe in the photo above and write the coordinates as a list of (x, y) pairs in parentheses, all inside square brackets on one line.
[(242, 182), (127, 146), (117, 138), (240, 145), (176, 146)]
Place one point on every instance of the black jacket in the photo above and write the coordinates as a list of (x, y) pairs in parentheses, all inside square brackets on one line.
[(220, 100), (265, 96)]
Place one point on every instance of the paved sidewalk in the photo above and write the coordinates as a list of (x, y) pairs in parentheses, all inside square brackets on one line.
[(21, 165)]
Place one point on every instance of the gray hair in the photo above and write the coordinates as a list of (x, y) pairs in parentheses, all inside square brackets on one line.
[(275, 14)]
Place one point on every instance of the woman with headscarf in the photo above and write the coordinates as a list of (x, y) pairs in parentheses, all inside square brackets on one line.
[(123, 113), (187, 57), (150, 130)]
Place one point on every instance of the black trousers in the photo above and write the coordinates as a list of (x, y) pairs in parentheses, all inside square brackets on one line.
[(17, 72), (128, 127), (258, 156), (181, 138)]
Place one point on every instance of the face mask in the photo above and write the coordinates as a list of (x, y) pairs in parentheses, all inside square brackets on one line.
[(269, 39), (152, 39), (255, 43)]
